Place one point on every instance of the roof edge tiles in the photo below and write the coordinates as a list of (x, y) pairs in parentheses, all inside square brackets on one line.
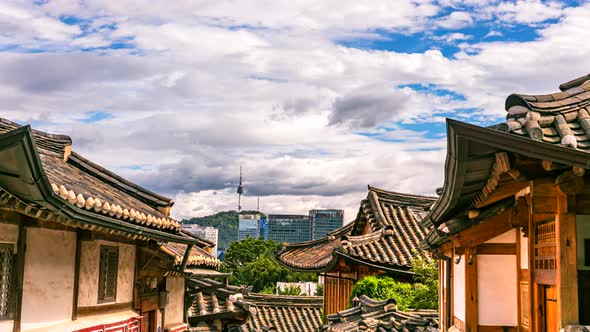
[(373, 315), (61, 145), (28, 182), (390, 244), (462, 138), (561, 118)]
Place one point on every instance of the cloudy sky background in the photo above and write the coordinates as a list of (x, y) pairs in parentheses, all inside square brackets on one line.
[(316, 98)]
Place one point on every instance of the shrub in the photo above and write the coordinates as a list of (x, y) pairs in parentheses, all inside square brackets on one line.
[(290, 290), (423, 294)]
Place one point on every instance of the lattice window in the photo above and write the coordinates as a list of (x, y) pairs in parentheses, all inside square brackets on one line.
[(545, 247), (107, 279), (6, 280)]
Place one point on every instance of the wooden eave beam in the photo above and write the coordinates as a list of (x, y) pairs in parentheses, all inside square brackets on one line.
[(485, 230), (504, 190)]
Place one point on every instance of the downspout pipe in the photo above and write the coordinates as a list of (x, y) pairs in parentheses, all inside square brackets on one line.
[(448, 260)]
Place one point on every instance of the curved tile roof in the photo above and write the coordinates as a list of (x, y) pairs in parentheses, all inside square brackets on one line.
[(561, 118), (371, 315), (88, 186), (387, 231), (284, 313)]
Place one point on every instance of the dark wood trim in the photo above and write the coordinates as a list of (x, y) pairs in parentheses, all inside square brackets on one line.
[(20, 276), (103, 309), (496, 249), (76, 274), (493, 328), (187, 254), (471, 308), (518, 276), (37, 223)]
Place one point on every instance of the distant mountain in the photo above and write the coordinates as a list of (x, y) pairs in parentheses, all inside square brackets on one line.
[(226, 222)]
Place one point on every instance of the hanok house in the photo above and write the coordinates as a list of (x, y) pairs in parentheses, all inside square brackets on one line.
[(219, 307), (78, 243), (382, 240), (380, 316), (512, 225)]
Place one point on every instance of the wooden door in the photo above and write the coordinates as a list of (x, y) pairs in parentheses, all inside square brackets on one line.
[(584, 296), (551, 323), (149, 321)]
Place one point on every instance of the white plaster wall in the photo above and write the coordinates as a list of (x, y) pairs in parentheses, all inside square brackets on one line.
[(49, 277), (582, 232), (6, 326), (89, 266), (508, 237), (459, 289), (524, 251), (8, 233), (496, 290), (126, 273), (175, 306)]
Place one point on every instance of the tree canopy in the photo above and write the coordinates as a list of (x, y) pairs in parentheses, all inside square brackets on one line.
[(252, 263), (423, 294)]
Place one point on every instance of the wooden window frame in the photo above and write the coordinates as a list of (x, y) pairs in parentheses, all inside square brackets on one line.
[(108, 253), (11, 287)]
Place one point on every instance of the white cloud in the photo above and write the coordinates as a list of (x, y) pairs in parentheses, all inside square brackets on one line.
[(456, 20), (212, 85)]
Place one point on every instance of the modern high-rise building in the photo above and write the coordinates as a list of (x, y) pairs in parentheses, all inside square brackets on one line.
[(248, 225), (263, 227), (324, 221), (204, 232), (290, 228)]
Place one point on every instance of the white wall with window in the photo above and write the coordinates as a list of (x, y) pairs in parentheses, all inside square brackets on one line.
[(48, 284), (106, 273)]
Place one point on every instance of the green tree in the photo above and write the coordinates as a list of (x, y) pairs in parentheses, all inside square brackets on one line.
[(242, 252), (319, 291), (426, 287), (422, 294), (290, 290), (251, 262), (383, 288)]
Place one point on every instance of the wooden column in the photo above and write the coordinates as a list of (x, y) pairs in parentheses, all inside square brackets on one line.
[(76, 274), (471, 290), (567, 273), (20, 276)]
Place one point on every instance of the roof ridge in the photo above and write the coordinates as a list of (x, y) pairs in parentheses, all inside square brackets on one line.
[(60, 144), (400, 194), (149, 197)]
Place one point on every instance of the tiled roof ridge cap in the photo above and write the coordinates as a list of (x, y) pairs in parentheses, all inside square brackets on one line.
[(59, 143), (112, 178), (266, 299), (364, 238), (567, 90), (400, 194)]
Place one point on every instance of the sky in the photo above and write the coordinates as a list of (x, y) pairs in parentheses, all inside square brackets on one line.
[(317, 99)]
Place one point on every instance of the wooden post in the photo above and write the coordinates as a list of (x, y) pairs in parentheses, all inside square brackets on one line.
[(567, 273), (186, 256), (20, 276), (76, 274), (471, 290)]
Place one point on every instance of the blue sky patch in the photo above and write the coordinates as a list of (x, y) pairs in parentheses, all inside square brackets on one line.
[(96, 116)]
